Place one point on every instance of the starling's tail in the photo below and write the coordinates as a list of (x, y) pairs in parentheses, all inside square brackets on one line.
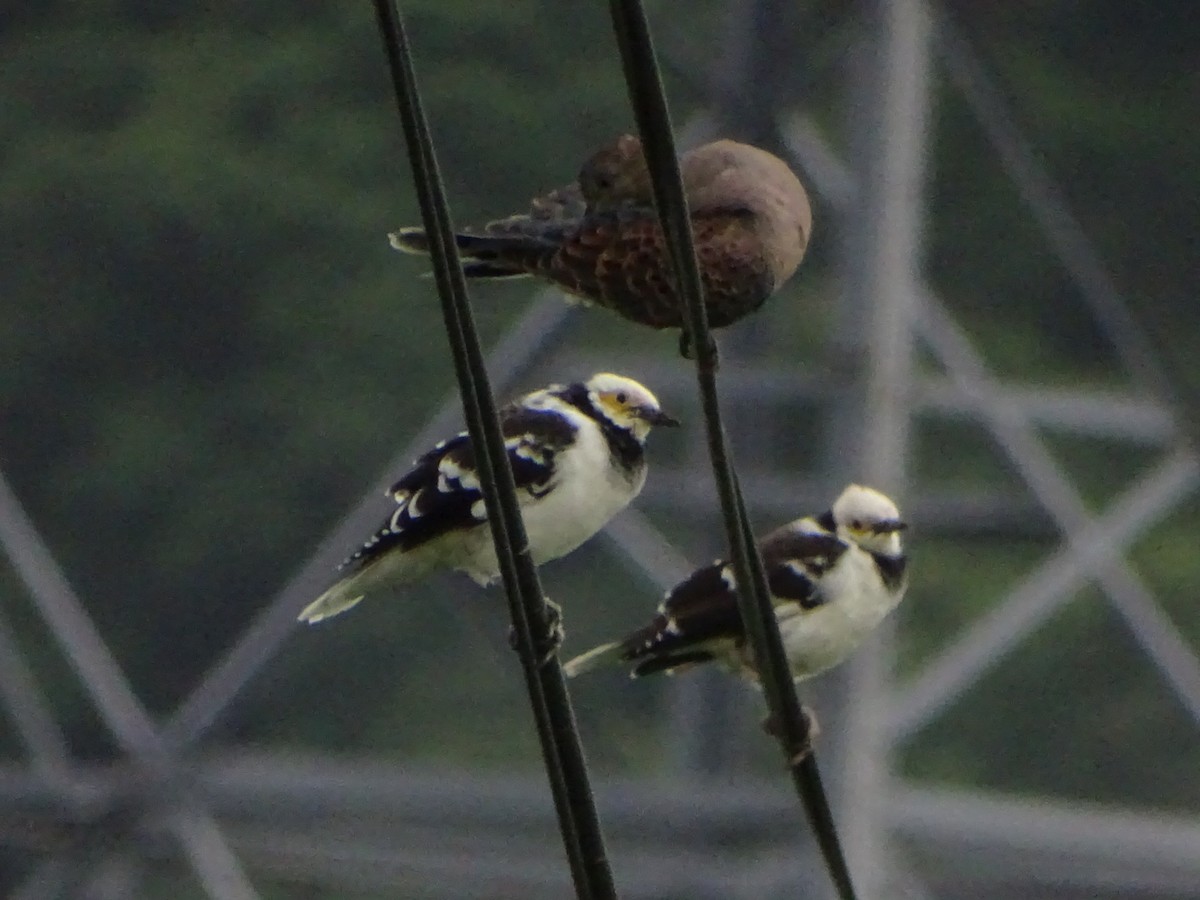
[(605, 654), (339, 598), (410, 240)]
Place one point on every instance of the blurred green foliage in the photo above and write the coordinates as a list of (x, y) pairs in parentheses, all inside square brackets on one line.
[(209, 349)]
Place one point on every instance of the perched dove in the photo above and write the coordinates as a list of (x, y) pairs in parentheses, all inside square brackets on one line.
[(599, 238)]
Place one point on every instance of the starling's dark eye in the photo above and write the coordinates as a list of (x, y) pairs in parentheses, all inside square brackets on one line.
[(622, 397), (856, 525)]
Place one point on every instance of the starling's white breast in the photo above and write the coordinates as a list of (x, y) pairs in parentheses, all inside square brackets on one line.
[(589, 489), (819, 638)]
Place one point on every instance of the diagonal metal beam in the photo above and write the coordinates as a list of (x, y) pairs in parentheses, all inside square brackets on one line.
[(48, 757), (1155, 630), (1149, 625), (1035, 599), (77, 636), (35, 726), (1050, 210), (214, 863), (643, 545)]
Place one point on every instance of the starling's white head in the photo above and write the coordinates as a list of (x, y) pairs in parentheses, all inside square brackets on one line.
[(870, 519), (626, 403)]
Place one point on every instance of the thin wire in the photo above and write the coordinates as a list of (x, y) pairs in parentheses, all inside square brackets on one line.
[(654, 124), (532, 622)]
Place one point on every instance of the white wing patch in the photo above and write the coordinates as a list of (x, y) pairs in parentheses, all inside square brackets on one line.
[(442, 495), (395, 525), (527, 447), (728, 578), (796, 567), (413, 505), (449, 470)]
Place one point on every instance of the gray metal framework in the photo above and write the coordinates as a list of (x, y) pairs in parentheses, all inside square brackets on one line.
[(367, 826)]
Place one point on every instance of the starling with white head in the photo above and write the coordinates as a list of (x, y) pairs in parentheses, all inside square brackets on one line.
[(577, 457), (833, 578)]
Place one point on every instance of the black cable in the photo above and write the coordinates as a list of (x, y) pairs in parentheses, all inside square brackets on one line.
[(562, 751), (754, 600)]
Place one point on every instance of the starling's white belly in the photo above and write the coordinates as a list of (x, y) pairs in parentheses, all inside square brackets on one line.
[(857, 601), (588, 493)]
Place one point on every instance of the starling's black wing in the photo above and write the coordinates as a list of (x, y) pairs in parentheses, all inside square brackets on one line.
[(702, 610), (699, 610), (441, 493), (796, 557)]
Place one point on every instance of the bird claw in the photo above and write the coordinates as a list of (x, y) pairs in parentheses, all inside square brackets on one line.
[(812, 729), (685, 344), (554, 635), (687, 351)]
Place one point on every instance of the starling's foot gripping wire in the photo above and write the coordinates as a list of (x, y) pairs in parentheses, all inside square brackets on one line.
[(812, 730), (548, 646), (687, 351)]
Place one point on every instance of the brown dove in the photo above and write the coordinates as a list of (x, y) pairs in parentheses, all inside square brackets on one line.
[(599, 238)]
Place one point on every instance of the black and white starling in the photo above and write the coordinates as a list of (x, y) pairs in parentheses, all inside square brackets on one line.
[(599, 238), (833, 578), (577, 456)]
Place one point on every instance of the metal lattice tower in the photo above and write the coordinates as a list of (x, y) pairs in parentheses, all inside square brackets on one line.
[(376, 827)]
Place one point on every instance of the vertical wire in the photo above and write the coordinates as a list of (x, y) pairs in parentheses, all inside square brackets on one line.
[(757, 611), (562, 750)]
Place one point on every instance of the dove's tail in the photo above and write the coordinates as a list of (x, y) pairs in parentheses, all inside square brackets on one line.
[(605, 654), (502, 255)]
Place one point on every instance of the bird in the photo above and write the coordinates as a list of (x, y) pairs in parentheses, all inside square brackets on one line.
[(577, 457), (599, 238), (833, 578)]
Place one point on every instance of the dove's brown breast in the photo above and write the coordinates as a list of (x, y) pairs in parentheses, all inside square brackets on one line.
[(620, 263)]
